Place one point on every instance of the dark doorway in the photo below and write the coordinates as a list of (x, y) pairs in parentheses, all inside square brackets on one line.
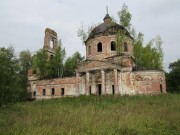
[(52, 91), (113, 89), (99, 89), (161, 88), (62, 91), (90, 90)]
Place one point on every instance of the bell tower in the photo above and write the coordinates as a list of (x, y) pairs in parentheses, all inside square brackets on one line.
[(50, 41)]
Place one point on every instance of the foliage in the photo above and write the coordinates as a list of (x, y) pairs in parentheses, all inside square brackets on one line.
[(83, 32), (25, 60), (59, 59), (149, 56), (125, 17), (125, 115), (173, 77), (120, 41), (49, 67), (25, 63), (55, 64), (71, 64), (40, 63), (10, 88)]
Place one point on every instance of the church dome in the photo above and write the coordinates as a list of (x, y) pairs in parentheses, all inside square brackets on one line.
[(107, 27)]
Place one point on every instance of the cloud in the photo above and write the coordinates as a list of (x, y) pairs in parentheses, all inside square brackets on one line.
[(23, 22)]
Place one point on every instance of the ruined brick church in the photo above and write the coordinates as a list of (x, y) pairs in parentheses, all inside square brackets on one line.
[(105, 70)]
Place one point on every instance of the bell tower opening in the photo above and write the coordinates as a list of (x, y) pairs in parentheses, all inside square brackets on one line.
[(51, 43)]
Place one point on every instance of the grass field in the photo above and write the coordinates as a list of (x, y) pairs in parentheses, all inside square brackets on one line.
[(127, 115)]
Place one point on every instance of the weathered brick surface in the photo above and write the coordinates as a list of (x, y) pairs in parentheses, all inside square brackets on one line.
[(69, 85), (106, 47)]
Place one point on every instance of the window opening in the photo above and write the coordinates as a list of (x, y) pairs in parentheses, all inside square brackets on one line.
[(51, 43), (90, 90), (52, 91), (89, 50), (113, 89), (113, 46), (161, 88), (44, 92), (99, 47), (62, 91), (99, 89), (34, 93), (125, 47)]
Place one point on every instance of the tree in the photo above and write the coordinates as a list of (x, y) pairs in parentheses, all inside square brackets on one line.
[(83, 32), (59, 59), (71, 64), (10, 89), (55, 64), (173, 77), (125, 17), (51, 67), (120, 41), (40, 63), (149, 56), (25, 63)]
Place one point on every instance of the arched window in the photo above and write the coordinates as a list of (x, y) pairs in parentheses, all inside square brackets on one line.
[(99, 47), (51, 43), (125, 47), (113, 46), (89, 50)]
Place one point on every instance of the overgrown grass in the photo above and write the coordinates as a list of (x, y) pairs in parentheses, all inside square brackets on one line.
[(127, 115)]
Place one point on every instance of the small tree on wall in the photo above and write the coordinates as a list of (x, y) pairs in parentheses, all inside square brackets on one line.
[(125, 17), (83, 32), (120, 41)]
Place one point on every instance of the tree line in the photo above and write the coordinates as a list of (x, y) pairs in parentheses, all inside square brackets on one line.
[(47, 68), (14, 70)]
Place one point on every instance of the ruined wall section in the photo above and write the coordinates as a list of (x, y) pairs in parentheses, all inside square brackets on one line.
[(68, 84), (141, 82), (81, 85), (149, 82)]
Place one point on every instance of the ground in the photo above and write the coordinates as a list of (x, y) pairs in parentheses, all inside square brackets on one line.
[(156, 115)]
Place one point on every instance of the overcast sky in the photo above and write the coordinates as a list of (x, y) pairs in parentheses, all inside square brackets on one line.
[(22, 22)]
